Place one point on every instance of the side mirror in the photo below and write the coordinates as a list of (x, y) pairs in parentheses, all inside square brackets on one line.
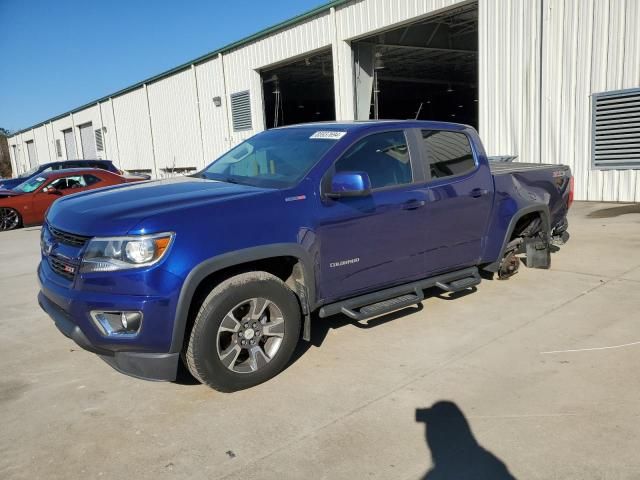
[(350, 184), (53, 191)]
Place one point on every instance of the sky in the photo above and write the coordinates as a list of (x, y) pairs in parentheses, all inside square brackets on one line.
[(58, 55)]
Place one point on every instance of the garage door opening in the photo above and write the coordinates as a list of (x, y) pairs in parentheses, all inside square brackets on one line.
[(426, 70), (298, 92)]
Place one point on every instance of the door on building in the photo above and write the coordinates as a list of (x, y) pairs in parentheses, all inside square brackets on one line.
[(31, 151), (16, 157), (88, 141), (70, 144)]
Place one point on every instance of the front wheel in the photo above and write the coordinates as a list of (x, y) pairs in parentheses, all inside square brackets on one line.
[(9, 219), (244, 333)]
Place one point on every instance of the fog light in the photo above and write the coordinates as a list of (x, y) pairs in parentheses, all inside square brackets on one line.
[(117, 323)]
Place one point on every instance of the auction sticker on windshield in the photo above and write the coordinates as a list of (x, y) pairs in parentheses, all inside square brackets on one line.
[(328, 135)]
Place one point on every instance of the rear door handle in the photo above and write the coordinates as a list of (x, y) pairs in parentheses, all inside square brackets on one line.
[(478, 192), (413, 204)]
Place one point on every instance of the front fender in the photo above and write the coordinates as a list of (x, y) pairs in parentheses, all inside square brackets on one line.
[(230, 259)]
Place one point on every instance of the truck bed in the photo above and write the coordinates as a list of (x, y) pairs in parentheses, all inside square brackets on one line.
[(501, 168)]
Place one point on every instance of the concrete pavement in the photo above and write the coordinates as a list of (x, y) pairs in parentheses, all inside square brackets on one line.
[(535, 377)]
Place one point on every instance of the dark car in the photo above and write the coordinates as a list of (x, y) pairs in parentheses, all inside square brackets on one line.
[(53, 166), (226, 269)]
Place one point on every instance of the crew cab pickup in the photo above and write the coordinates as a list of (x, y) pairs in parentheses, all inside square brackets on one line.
[(224, 270)]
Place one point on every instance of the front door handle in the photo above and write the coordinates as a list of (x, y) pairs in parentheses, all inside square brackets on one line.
[(478, 192), (413, 204)]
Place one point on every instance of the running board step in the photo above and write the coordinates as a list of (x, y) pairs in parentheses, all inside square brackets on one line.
[(461, 284), (385, 306), (401, 296)]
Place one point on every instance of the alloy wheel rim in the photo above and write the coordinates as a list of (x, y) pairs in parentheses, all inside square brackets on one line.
[(250, 335), (8, 219)]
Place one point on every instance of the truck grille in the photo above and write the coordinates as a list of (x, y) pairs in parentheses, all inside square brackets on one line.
[(68, 238), (62, 267)]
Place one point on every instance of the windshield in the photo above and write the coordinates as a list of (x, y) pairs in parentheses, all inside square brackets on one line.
[(30, 185), (275, 158)]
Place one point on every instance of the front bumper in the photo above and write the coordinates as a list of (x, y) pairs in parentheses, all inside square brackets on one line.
[(148, 366), (139, 356)]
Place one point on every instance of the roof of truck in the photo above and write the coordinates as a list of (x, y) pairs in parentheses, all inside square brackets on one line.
[(354, 125)]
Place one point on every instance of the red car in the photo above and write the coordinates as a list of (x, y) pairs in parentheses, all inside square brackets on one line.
[(27, 203)]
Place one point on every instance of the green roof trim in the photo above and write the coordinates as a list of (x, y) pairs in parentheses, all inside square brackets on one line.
[(251, 38)]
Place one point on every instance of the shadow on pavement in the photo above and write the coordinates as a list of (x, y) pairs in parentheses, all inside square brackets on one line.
[(455, 453), (615, 211)]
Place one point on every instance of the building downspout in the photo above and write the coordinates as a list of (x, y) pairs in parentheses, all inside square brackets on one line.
[(195, 81), (224, 103)]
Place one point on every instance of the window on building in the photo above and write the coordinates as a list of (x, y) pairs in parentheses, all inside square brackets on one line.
[(448, 153), (615, 131), (382, 156), (58, 149), (241, 111)]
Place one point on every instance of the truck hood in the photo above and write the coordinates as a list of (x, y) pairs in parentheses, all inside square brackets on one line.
[(117, 210)]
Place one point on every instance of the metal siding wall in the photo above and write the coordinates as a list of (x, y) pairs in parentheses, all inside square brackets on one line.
[(365, 17), (587, 46), (110, 136), (215, 137), (175, 123), (41, 144), (509, 77), (240, 65), (58, 126), (134, 131), (630, 182), (592, 47)]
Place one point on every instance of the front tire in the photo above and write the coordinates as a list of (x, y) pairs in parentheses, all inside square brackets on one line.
[(9, 219), (245, 332)]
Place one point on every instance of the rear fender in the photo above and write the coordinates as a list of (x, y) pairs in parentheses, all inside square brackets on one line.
[(542, 209)]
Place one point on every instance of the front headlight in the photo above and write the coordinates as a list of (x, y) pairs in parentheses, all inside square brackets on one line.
[(121, 253)]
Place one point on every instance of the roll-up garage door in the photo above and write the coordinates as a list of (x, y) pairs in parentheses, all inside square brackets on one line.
[(31, 149), (70, 144), (88, 141)]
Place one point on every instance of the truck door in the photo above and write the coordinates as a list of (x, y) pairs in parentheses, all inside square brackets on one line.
[(373, 241), (460, 196)]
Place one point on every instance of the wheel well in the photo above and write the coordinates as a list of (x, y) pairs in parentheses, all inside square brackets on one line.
[(286, 268), (527, 226)]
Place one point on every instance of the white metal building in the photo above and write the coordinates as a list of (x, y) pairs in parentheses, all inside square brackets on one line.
[(554, 81)]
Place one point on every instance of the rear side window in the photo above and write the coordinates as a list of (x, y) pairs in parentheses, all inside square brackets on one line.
[(449, 154), (91, 180), (382, 156)]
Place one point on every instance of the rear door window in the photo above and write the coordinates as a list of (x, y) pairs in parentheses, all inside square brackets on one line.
[(448, 154), (382, 156)]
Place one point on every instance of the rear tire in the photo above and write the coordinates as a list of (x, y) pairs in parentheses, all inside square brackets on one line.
[(9, 219), (245, 332)]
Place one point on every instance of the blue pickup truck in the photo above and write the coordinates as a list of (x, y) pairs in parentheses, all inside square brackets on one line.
[(224, 270)]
